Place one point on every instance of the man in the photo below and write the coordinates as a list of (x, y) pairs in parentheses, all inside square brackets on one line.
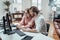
[(40, 24)]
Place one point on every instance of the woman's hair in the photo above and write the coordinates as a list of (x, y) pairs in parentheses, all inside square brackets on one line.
[(27, 10), (35, 9)]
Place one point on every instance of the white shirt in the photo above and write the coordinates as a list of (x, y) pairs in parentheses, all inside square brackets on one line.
[(40, 24)]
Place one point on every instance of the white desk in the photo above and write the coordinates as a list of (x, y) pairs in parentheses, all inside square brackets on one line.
[(37, 36)]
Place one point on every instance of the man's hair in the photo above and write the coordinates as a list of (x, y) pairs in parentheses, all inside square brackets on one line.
[(35, 9)]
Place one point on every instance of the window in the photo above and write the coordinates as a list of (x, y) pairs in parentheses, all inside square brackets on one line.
[(37, 3), (56, 4), (19, 4)]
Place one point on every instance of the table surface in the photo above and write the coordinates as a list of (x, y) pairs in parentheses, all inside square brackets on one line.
[(52, 32), (52, 35), (36, 36)]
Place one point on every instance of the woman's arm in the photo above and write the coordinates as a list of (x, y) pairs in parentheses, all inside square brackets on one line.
[(23, 19), (31, 23), (21, 22), (29, 30)]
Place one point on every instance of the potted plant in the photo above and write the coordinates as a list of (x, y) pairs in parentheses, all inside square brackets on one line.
[(7, 3)]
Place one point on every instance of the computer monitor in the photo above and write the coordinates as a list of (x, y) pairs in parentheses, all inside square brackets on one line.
[(4, 24), (8, 21), (8, 28)]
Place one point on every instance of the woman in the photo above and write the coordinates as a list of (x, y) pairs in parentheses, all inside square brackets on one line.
[(28, 19)]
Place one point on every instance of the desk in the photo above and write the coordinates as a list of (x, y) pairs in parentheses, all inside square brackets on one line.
[(52, 32), (36, 36)]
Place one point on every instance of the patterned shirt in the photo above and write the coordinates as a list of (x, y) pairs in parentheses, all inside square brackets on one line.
[(40, 24)]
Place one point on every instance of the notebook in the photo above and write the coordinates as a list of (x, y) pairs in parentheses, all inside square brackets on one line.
[(27, 38), (20, 33)]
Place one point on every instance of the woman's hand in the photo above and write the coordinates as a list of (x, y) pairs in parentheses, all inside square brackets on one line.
[(24, 29), (18, 27)]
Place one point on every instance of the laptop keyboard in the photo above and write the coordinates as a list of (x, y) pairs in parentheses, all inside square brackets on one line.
[(19, 33)]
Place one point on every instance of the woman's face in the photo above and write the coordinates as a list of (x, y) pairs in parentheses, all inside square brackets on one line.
[(31, 12)]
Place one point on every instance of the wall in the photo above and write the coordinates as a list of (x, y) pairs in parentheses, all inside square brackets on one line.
[(45, 8), (26, 4), (44, 5), (2, 7)]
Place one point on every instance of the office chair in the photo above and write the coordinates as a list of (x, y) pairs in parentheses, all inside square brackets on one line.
[(0, 39)]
